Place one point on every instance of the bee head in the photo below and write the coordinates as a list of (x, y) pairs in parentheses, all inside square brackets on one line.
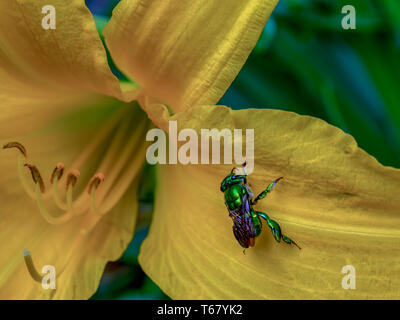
[(231, 180)]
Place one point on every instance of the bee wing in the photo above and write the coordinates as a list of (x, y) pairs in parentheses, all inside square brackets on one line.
[(243, 227), (245, 223), (241, 236)]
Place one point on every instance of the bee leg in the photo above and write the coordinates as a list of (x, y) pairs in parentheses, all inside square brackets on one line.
[(289, 241), (276, 230), (263, 194)]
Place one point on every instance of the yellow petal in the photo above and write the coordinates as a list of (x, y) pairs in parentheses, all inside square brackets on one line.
[(185, 52), (336, 201), (79, 258), (71, 56)]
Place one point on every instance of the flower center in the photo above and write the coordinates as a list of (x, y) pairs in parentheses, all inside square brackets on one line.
[(112, 178)]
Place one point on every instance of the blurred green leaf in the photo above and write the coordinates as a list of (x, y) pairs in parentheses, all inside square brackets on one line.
[(347, 77)]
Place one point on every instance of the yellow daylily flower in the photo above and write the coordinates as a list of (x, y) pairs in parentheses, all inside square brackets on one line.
[(60, 100), (336, 201)]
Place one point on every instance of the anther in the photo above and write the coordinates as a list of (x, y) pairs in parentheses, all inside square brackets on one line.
[(92, 187), (17, 145), (31, 267), (57, 172), (72, 178), (37, 178), (55, 177), (95, 181)]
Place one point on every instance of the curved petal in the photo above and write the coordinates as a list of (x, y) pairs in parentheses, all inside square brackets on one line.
[(336, 201), (71, 56), (79, 258), (185, 53)]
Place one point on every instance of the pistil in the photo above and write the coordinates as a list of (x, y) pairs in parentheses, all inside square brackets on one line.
[(31, 267)]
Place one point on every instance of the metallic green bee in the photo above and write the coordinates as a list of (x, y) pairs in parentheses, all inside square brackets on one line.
[(246, 221)]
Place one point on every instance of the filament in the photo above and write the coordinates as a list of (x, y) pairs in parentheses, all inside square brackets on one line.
[(22, 178), (57, 200), (70, 201), (48, 217), (93, 203)]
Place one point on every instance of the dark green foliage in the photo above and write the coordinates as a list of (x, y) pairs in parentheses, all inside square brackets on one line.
[(305, 62)]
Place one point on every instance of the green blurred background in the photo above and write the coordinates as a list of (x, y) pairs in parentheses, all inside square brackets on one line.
[(304, 62)]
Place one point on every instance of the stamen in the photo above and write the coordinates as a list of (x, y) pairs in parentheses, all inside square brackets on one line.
[(81, 203), (22, 178), (69, 200), (117, 166), (57, 172), (37, 178), (95, 181), (119, 179), (22, 154), (93, 185), (57, 200), (117, 183), (49, 218), (17, 145), (72, 178), (55, 177), (31, 267)]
